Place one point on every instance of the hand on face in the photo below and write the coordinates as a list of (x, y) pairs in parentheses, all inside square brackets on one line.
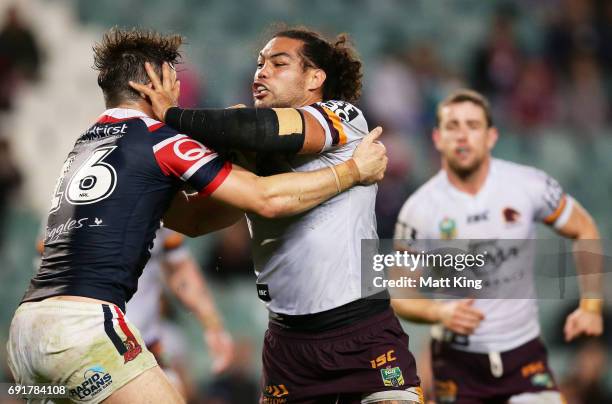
[(162, 94)]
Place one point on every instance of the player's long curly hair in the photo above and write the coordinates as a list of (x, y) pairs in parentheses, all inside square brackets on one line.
[(121, 55), (337, 59)]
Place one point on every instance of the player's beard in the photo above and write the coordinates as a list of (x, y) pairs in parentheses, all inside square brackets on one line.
[(276, 102), (284, 96), (273, 103), (464, 171)]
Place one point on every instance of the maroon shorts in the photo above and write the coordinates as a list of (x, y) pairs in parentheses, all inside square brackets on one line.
[(466, 378), (342, 364)]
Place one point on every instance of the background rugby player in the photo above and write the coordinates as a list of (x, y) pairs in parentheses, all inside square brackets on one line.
[(114, 187), (172, 267), (502, 358), (325, 342)]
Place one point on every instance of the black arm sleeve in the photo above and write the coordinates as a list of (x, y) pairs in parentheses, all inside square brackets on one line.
[(241, 128)]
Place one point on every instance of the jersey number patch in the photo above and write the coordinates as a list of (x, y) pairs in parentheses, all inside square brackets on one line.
[(94, 181)]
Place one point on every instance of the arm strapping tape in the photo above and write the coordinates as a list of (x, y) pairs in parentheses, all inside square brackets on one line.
[(278, 130)]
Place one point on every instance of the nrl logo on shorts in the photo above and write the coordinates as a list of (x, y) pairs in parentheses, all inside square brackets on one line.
[(392, 377)]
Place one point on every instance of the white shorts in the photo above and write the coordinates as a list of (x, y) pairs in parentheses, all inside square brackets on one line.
[(91, 348)]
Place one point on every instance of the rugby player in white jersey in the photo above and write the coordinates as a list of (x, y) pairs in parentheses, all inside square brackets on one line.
[(489, 350), (325, 343)]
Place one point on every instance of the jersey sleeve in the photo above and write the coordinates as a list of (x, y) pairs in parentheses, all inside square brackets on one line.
[(183, 157), (342, 122), (552, 206), (410, 227)]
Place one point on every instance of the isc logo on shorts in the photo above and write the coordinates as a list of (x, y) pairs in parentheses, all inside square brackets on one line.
[(96, 380)]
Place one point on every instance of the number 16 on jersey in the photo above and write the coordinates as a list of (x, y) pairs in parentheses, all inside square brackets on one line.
[(94, 181)]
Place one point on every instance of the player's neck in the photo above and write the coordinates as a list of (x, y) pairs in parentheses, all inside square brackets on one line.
[(472, 183), (309, 100), (141, 106)]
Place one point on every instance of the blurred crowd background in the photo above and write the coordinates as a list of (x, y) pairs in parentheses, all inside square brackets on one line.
[(546, 66)]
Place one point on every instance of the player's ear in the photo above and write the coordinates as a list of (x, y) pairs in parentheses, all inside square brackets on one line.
[(435, 136), (492, 136), (316, 79)]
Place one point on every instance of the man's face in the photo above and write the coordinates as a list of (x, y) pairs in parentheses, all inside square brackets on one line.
[(463, 138), (280, 79)]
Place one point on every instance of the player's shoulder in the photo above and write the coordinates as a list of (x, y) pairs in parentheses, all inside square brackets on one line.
[(507, 167), (346, 111), (516, 173), (343, 122), (425, 197), (339, 110), (136, 121), (155, 126)]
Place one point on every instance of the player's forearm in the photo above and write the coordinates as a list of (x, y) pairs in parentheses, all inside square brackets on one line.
[(587, 250), (588, 255), (293, 193), (417, 310), (589, 263), (278, 130), (190, 288), (194, 215)]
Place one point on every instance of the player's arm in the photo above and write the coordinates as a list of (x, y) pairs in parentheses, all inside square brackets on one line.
[(278, 195), (458, 315), (186, 282), (195, 214), (560, 211), (282, 130), (279, 130), (242, 191), (580, 226)]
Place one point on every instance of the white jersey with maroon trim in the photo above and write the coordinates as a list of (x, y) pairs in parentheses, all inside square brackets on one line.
[(143, 309), (513, 199), (310, 263)]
